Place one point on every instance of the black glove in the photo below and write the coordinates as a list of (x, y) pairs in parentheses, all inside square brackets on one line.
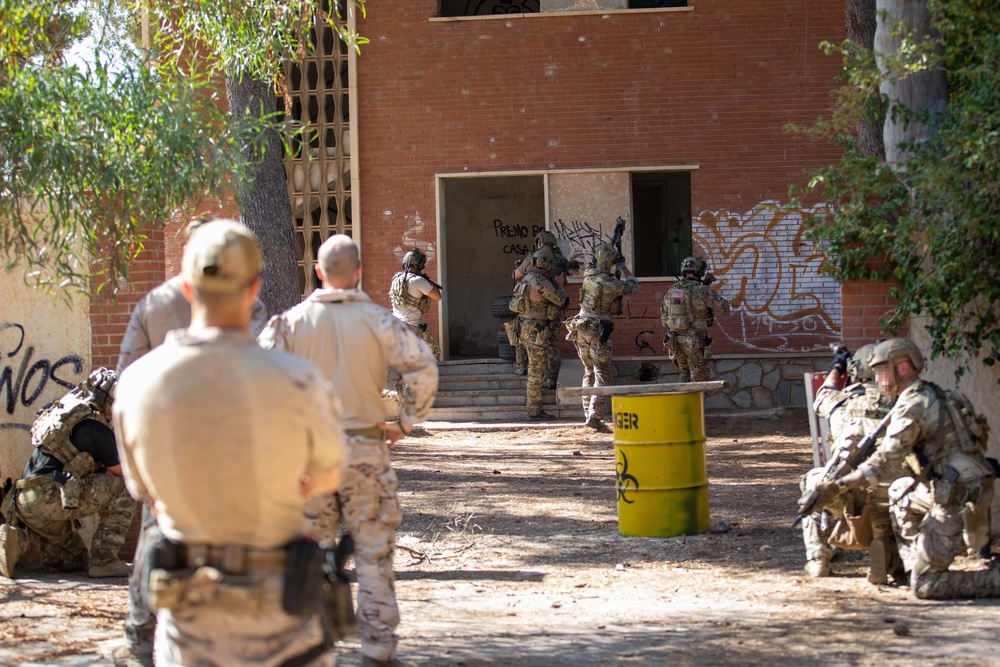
[(840, 360), (566, 303)]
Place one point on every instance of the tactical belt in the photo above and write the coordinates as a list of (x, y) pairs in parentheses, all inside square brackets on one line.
[(374, 432), (33, 481), (233, 559)]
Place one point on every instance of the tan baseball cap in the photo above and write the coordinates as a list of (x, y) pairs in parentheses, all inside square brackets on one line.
[(221, 256)]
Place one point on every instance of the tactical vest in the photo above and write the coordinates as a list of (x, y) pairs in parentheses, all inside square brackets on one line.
[(971, 429), (400, 297), (519, 302), (680, 309), (593, 297), (54, 425)]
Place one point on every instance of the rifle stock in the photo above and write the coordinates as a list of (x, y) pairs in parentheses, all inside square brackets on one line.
[(845, 460)]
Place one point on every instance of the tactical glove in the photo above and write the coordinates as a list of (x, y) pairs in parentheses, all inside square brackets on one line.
[(840, 360)]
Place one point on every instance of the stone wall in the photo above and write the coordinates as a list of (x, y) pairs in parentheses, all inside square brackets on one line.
[(754, 382)]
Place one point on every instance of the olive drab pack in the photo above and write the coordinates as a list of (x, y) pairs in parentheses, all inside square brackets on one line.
[(680, 310), (971, 428), (519, 302), (54, 425), (400, 297)]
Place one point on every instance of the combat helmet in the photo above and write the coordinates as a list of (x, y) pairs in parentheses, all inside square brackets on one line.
[(694, 264), (414, 260), (544, 259), (891, 348), (605, 256), (858, 367), (101, 385), (545, 237)]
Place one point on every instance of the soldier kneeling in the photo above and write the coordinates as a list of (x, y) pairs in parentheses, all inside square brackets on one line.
[(65, 481)]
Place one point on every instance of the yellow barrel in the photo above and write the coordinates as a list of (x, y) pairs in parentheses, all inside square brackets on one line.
[(662, 479)]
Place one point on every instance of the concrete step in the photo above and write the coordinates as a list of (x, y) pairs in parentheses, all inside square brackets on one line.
[(487, 397), (482, 382), (474, 367), (481, 413)]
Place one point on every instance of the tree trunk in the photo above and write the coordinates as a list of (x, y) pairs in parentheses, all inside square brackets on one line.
[(925, 91), (263, 201), (860, 23)]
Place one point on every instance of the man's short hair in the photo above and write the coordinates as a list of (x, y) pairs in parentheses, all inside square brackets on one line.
[(338, 257)]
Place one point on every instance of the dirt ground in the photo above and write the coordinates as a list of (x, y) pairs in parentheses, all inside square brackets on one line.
[(510, 556)]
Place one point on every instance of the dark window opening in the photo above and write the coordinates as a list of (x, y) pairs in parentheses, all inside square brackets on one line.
[(488, 7), (655, 4), (661, 210)]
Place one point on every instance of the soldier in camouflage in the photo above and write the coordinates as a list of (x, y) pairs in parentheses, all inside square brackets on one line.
[(353, 341), (73, 473), (411, 293), (546, 240), (854, 412), (590, 330), (538, 297), (687, 311), (941, 483)]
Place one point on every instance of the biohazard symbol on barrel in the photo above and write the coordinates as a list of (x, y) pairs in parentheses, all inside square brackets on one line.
[(624, 481)]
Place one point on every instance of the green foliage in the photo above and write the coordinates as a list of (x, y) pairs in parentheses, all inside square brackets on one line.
[(932, 229), (92, 155), (253, 39)]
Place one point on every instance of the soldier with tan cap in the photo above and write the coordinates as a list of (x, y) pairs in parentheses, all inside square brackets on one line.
[(225, 441)]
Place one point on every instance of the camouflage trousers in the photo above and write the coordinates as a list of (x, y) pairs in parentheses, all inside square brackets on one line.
[(817, 529), (598, 370), (932, 533), (553, 362), (261, 636), (51, 537), (692, 358), (427, 337), (140, 620), (369, 508), (536, 340)]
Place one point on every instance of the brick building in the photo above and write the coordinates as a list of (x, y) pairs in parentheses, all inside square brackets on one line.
[(466, 127)]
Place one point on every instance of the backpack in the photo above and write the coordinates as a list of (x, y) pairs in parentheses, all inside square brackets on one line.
[(971, 428), (519, 302), (680, 311)]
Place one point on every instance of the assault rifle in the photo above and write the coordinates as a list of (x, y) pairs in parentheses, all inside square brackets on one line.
[(428, 279), (616, 242), (844, 461)]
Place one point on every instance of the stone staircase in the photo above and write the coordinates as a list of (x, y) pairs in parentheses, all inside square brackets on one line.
[(487, 390)]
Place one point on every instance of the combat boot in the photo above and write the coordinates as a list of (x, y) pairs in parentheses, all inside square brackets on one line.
[(541, 417), (127, 656), (10, 549), (818, 568), (595, 423), (878, 561), (109, 568)]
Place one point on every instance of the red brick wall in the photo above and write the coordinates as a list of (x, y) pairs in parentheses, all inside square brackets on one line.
[(864, 304), (714, 86)]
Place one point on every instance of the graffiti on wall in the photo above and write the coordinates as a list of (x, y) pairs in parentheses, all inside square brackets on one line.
[(771, 275), (24, 377), (764, 266)]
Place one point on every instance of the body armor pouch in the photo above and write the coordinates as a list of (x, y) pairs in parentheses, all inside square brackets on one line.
[(399, 294), (69, 490), (510, 328), (607, 326), (680, 312)]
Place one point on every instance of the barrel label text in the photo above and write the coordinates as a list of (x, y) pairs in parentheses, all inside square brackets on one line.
[(626, 420)]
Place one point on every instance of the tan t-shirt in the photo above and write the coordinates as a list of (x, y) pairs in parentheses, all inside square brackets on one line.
[(354, 341), (218, 432), (164, 309)]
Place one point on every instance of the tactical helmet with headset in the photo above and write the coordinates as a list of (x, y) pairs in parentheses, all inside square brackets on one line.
[(544, 259), (883, 360), (545, 237), (605, 256), (859, 367), (414, 260), (694, 264)]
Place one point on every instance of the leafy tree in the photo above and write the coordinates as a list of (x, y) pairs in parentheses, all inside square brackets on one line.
[(91, 155), (930, 224)]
